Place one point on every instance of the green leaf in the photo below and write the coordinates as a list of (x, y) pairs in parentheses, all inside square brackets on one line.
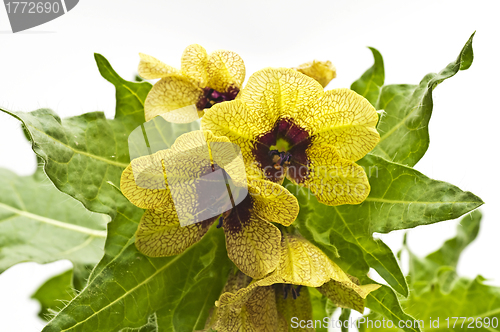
[(57, 291), (130, 96), (80, 155), (344, 318), (470, 301), (81, 274), (155, 135), (179, 289), (451, 250), (190, 310), (424, 270), (370, 83), (38, 223), (405, 198), (150, 326), (83, 153), (385, 302), (318, 303), (467, 298), (404, 134), (84, 156), (60, 289), (400, 198), (54, 293)]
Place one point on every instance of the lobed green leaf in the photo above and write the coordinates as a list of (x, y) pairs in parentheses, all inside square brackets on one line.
[(127, 291), (40, 224), (54, 293), (57, 291), (424, 270), (126, 287), (344, 317), (318, 303), (440, 300), (82, 154), (370, 83), (130, 96), (404, 133), (400, 198)]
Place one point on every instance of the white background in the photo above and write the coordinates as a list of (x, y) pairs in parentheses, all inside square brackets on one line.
[(53, 66)]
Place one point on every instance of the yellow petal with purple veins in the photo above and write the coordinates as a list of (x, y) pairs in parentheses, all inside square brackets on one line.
[(321, 71), (241, 125), (237, 122), (225, 70), (333, 180), (153, 181), (143, 182), (198, 185), (236, 282), (257, 313), (347, 295), (157, 180), (151, 68), (272, 202), (281, 92), (242, 308), (217, 150), (197, 139), (228, 156), (284, 122), (346, 120), (159, 233), (170, 94), (194, 63), (252, 243), (302, 263), (299, 307)]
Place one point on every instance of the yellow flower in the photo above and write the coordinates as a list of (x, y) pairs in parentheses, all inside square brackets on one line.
[(203, 80), (256, 311), (286, 125), (200, 179), (268, 304), (321, 71)]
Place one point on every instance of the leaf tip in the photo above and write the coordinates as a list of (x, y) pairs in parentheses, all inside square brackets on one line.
[(467, 54)]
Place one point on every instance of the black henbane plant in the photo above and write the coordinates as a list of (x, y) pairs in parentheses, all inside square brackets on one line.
[(256, 218)]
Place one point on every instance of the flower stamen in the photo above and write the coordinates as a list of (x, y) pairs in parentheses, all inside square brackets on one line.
[(222, 216), (288, 288), (211, 97), (221, 221), (280, 158)]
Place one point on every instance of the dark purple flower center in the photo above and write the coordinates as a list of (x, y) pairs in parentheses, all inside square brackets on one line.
[(211, 97), (238, 217), (283, 150), (280, 158), (215, 202)]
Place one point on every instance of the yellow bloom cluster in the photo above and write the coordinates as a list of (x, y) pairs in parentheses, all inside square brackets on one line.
[(282, 124)]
